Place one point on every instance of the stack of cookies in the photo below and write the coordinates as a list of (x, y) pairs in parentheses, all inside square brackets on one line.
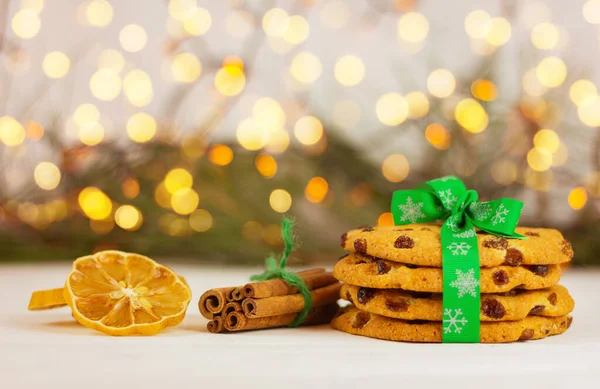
[(393, 280)]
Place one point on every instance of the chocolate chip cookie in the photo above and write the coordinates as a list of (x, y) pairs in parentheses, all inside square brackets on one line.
[(407, 305), (420, 244), (370, 272), (357, 322)]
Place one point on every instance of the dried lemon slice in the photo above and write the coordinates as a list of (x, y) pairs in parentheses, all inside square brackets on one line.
[(125, 294), (47, 299)]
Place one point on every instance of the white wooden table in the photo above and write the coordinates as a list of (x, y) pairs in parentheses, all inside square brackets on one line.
[(49, 349)]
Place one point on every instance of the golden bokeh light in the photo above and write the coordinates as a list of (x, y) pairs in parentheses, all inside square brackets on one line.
[(138, 89), (335, 14), (251, 135), (102, 227), (413, 27), (129, 217), (91, 133), (193, 146), (94, 203), (349, 70), (582, 92), (546, 139), (385, 219), (133, 38), (86, 113), (266, 165), (561, 155), (316, 190), (504, 171), (275, 22), (105, 84), (198, 23), (551, 72), (268, 114), (26, 24), (391, 109), (12, 133), (182, 9), (177, 179), (308, 130), (111, 59), (441, 83), (141, 127), (56, 64), (539, 159), (47, 175), (478, 24), (484, 90), (280, 200), (33, 130), (395, 168), (252, 231), (306, 67), (589, 113), (162, 196), (578, 198), (272, 234), (130, 188), (532, 85), (297, 30), (346, 114), (33, 5), (591, 11), (418, 105), (230, 80), (500, 32), (185, 68), (201, 220), (185, 201), (279, 141), (471, 116), (99, 13), (545, 36), (220, 155), (438, 136)]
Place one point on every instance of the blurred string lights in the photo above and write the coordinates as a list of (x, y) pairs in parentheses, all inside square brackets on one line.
[(446, 109)]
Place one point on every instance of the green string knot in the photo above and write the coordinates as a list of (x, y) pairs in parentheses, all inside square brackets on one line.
[(275, 270)]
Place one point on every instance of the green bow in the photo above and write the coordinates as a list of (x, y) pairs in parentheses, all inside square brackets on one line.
[(448, 199)]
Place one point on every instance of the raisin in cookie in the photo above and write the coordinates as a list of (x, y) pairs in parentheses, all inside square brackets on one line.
[(357, 322), (406, 305), (362, 270), (420, 245)]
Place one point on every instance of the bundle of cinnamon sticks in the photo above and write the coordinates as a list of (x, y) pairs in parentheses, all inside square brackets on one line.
[(270, 304)]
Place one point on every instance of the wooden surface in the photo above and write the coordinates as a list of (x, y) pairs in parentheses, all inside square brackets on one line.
[(49, 349)]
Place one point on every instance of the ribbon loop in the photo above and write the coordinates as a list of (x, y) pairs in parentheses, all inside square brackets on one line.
[(448, 199)]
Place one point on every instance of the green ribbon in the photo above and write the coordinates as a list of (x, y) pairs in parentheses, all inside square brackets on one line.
[(275, 270), (448, 199)]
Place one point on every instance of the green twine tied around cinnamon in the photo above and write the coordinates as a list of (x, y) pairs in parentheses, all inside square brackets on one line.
[(275, 270)]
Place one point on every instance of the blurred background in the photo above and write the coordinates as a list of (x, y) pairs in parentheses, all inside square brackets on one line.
[(186, 128)]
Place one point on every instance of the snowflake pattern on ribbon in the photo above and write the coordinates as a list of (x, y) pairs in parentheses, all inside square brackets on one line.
[(465, 234), (454, 321), (500, 215), (461, 248), (465, 283), (447, 198), (480, 211), (411, 211), (451, 223)]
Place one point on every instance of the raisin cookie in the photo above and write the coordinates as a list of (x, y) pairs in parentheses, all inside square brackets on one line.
[(376, 273), (406, 305), (357, 322), (420, 245)]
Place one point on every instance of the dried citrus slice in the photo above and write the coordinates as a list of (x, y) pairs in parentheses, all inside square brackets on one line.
[(120, 294), (47, 299)]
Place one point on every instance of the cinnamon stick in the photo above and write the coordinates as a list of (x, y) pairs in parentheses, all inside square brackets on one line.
[(281, 305), (231, 307), (235, 294), (313, 278), (216, 325), (213, 301), (237, 321)]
